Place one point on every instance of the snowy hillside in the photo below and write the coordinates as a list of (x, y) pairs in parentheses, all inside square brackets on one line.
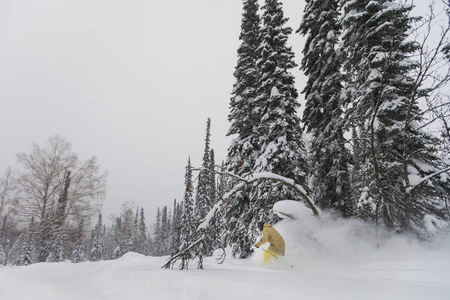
[(326, 259), (137, 277)]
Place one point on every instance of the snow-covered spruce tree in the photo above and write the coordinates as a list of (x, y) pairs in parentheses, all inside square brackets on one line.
[(244, 119), (212, 178), (175, 228), (135, 232), (202, 200), (363, 206), (323, 109), (45, 235), (27, 251), (109, 243), (214, 232), (357, 33), (162, 232), (187, 217), (279, 130), (222, 220), (79, 248), (128, 226), (378, 65), (143, 242), (158, 240), (171, 234), (97, 245), (165, 231), (118, 247)]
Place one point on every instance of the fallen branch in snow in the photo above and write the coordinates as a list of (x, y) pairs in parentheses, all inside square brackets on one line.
[(185, 256)]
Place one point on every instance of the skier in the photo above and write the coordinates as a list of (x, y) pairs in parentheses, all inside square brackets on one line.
[(275, 240)]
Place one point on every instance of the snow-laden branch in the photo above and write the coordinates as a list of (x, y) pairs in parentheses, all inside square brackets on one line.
[(424, 179), (250, 179)]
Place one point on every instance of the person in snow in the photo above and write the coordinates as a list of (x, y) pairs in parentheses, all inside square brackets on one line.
[(275, 240)]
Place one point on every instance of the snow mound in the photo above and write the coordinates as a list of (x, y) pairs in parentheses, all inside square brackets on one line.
[(131, 256), (292, 209)]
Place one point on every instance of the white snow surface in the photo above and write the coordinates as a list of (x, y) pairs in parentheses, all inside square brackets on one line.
[(274, 92), (326, 258), (291, 209)]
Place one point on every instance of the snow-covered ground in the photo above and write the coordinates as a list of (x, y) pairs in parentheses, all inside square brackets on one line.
[(138, 277), (326, 258)]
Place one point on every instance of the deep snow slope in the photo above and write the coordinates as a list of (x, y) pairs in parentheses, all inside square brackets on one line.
[(138, 277)]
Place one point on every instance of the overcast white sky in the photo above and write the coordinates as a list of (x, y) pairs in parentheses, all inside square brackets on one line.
[(130, 82)]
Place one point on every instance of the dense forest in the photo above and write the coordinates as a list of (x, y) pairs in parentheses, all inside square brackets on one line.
[(372, 143)]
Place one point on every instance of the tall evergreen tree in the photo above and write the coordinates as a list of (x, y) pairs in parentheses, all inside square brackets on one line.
[(98, 243), (212, 180), (128, 227), (378, 64), (45, 235), (165, 231), (118, 247), (135, 232), (223, 185), (109, 242), (279, 129), (143, 247), (187, 217), (158, 240), (243, 117), (79, 249), (203, 200), (324, 107), (26, 255), (175, 228)]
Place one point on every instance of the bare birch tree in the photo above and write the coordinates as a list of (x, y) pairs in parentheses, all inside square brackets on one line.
[(41, 184)]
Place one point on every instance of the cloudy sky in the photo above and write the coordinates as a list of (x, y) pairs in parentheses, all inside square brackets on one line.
[(130, 82)]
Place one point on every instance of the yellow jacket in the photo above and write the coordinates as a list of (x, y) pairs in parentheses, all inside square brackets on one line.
[(275, 240)]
